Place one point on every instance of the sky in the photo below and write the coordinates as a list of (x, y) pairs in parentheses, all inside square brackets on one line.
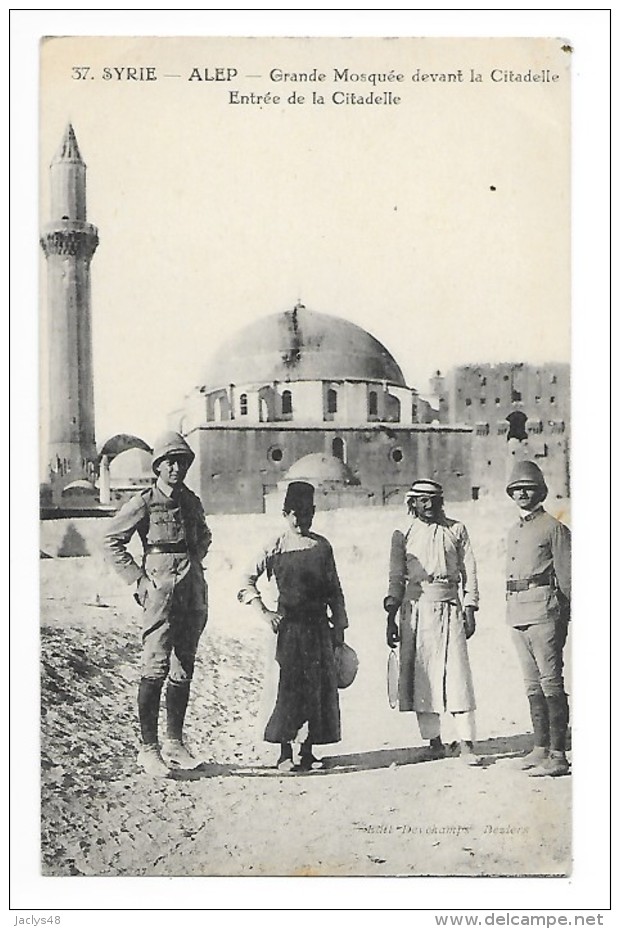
[(440, 224)]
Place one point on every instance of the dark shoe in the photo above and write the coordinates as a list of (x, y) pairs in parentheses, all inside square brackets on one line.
[(149, 758), (555, 765), (533, 759), (433, 752), (309, 763)]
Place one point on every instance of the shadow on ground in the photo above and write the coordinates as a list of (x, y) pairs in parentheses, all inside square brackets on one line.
[(490, 751)]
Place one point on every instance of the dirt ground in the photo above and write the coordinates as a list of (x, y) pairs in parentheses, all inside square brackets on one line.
[(377, 809)]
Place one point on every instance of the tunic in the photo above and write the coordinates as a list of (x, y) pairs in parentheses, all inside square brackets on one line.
[(429, 562), (175, 538), (538, 576), (538, 547), (309, 588)]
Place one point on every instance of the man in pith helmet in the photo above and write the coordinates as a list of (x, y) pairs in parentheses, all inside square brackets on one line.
[(432, 566), (171, 588), (538, 578)]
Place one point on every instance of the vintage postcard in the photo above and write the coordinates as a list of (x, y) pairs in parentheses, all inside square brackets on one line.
[(305, 352)]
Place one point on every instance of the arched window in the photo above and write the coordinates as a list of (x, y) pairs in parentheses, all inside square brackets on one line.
[(338, 448), (287, 402), (243, 405), (332, 401), (517, 421), (372, 403)]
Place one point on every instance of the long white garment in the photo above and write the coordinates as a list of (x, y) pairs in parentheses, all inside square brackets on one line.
[(430, 564), (435, 675)]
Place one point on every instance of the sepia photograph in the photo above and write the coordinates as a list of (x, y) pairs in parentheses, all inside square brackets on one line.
[(307, 349), (305, 457)]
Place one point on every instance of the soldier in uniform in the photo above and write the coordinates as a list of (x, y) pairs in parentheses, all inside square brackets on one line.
[(171, 588), (431, 563), (538, 610), (309, 621)]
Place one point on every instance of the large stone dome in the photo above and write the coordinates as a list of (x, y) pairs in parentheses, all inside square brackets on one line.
[(301, 345)]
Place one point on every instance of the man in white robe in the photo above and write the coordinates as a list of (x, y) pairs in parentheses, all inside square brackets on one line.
[(432, 566)]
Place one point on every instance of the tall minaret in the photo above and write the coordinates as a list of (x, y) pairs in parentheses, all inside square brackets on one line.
[(69, 243)]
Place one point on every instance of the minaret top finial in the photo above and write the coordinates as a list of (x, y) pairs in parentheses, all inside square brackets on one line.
[(68, 149)]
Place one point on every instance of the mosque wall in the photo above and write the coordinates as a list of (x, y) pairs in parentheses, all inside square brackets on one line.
[(236, 467)]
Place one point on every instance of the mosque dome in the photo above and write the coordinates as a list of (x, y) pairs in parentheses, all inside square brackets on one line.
[(318, 469), (301, 345)]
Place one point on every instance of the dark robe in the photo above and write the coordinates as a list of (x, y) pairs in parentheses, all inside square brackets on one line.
[(310, 601)]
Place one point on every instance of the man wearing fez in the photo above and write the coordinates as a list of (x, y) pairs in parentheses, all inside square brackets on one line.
[(538, 577), (171, 589), (431, 563), (309, 621)]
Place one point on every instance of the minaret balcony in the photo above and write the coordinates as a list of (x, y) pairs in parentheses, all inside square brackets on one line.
[(70, 237)]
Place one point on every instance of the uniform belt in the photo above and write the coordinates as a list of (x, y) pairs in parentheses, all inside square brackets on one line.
[(166, 548), (513, 586)]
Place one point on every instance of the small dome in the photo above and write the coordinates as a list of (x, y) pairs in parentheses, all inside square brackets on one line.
[(301, 345), (79, 487), (318, 469), (134, 463)]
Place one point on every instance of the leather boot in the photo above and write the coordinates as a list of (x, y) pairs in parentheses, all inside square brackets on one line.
[(175, 752), (177, 698), (149, 694), (539, 714), (556, 764), (557, 706)]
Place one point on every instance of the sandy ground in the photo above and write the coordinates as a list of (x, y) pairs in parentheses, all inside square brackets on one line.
[(378, 809)]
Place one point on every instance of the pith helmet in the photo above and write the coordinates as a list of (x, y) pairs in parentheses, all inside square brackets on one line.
[(171, 443), (527, 474)]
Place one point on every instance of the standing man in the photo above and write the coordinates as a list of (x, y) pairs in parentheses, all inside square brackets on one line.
[(171, 588), (431, 562), (538, 610), (309, 621)]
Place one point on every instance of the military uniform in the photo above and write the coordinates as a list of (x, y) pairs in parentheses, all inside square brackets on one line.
[(538, 587), (171, 586)]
